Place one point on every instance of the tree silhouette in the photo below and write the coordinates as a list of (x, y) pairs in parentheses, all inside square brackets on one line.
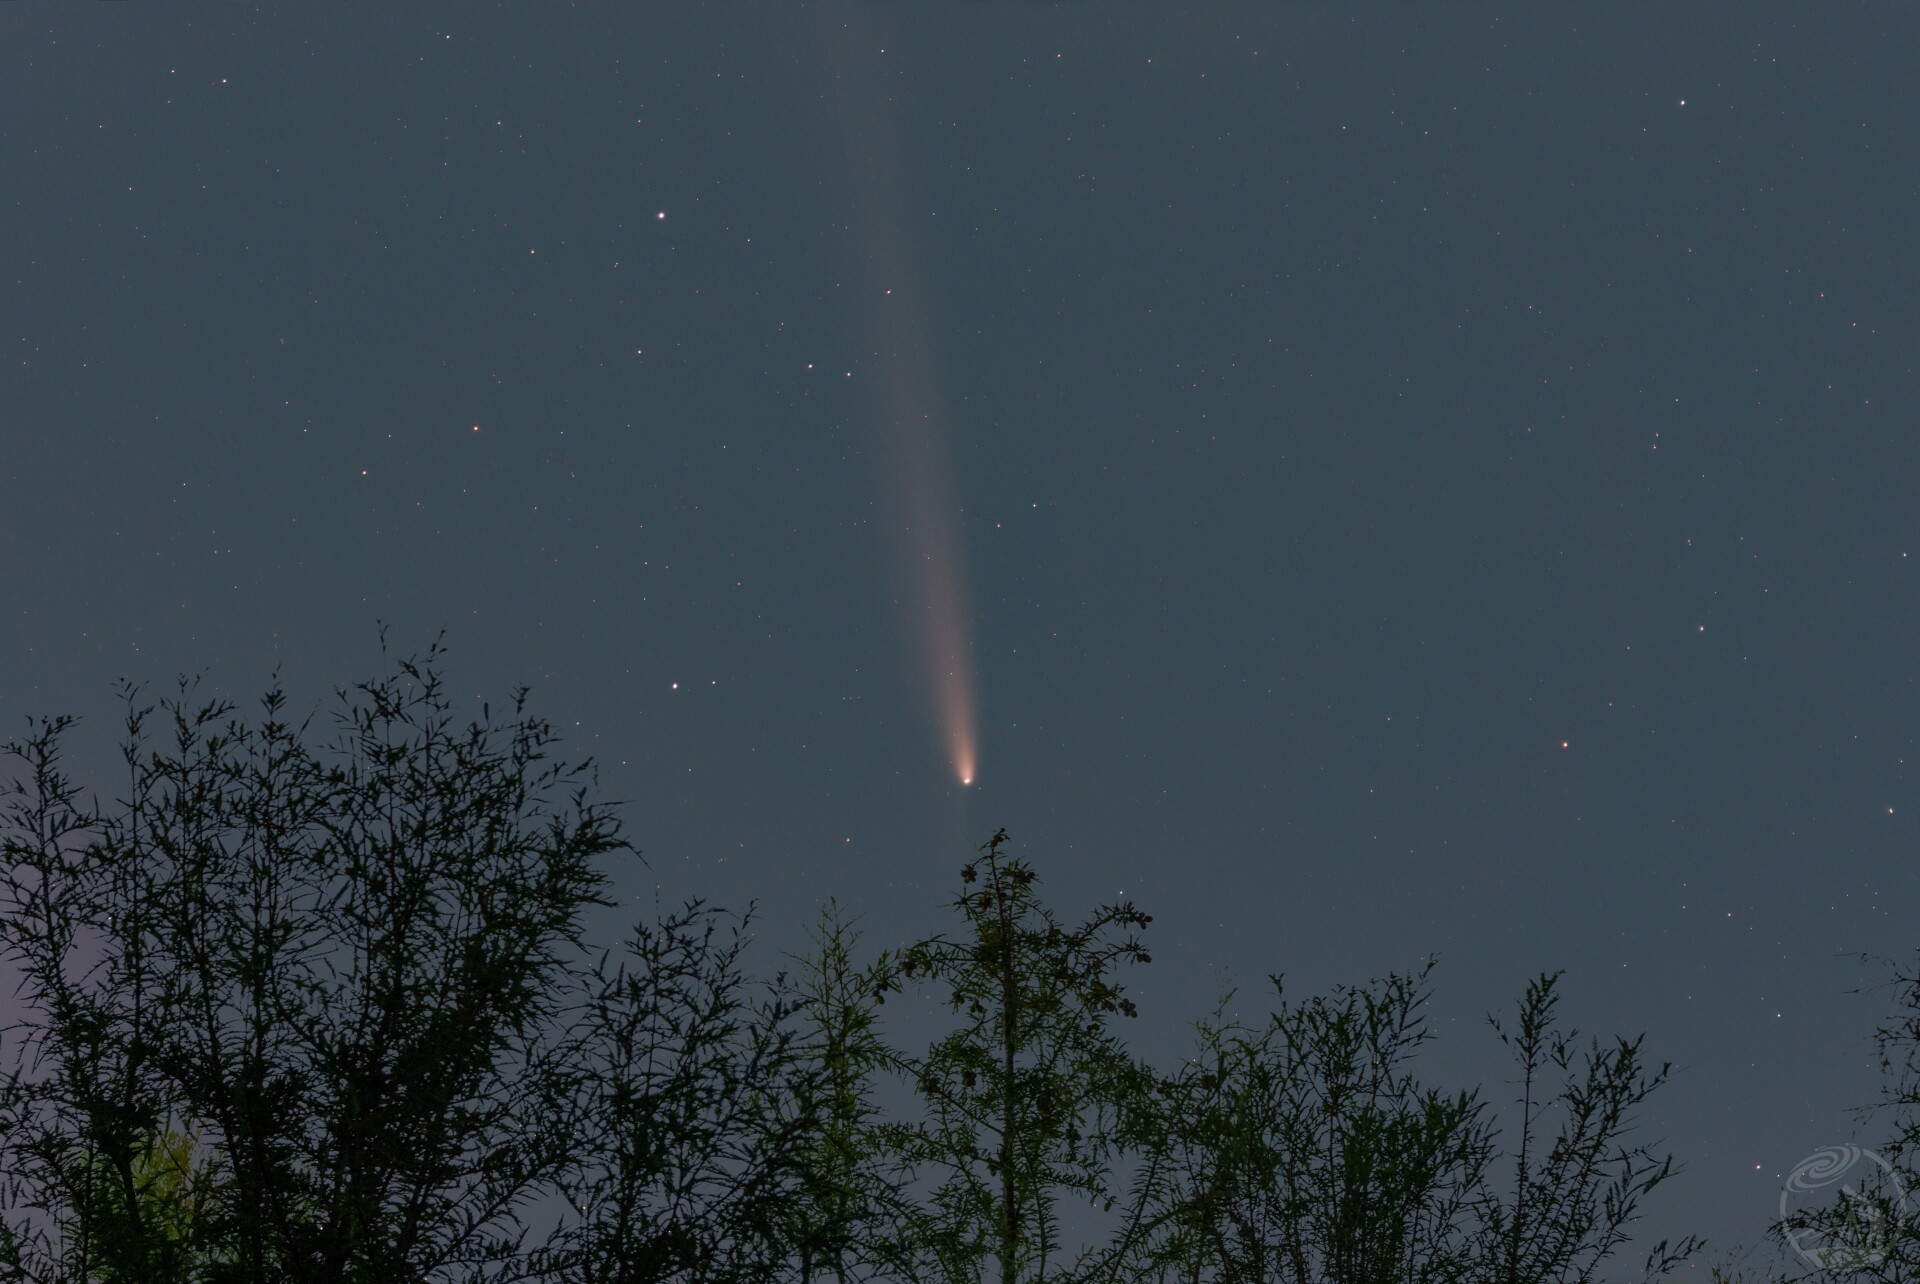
[(1033, 1097), (851, 1220), (338, 966), (1308, 1151), (1870, 1231), (317, 1008), (691, 1113)]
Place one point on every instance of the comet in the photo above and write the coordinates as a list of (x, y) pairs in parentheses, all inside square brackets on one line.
[(912, 405), (930, 514)]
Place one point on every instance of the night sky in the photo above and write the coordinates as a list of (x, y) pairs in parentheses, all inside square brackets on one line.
[(1362, 480)]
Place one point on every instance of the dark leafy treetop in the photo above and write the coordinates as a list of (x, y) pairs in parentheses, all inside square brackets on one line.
[(312, 1007)]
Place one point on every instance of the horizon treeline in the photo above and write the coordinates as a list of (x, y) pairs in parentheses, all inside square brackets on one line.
[(316, 1003)]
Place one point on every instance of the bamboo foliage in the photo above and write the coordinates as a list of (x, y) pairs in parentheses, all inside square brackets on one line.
[(314, 1002)]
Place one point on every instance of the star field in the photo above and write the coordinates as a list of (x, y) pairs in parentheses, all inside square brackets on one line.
[(1368, 482)]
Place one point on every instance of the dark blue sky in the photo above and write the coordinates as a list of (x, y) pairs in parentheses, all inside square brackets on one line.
[(1418, 477)]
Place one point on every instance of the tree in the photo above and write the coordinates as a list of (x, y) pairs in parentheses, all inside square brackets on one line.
[(692, 1110), (319, 1009), (340, 964), (1573, 1198), (850, 1220), (1869, 1232), (170, 1201), (1033, 1097), (86, 1095), (1308, 1151)]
